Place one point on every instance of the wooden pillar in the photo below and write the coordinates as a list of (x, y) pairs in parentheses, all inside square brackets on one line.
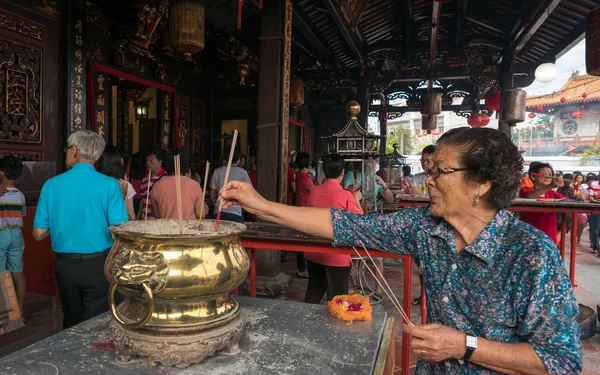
[(75, 32), (506, 83), (273, 123), (383, 116)]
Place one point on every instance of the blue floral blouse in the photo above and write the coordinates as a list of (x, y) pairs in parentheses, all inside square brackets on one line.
[(509, 285)]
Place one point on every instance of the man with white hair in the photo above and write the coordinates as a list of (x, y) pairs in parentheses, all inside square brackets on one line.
[(75, 209)]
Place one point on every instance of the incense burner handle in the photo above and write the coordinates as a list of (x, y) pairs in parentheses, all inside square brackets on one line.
[(115, 313)]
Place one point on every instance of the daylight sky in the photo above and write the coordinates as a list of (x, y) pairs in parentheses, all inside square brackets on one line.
[(571, 61)]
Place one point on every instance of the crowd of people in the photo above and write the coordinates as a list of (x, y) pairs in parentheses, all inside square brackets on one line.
[(541, 182), (499, 297)]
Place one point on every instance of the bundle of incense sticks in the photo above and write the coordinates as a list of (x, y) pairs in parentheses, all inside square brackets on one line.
[(203, 194), (381, 281), (147, 195), (534, 174), (408, 188), (235, 135), (178, 192)]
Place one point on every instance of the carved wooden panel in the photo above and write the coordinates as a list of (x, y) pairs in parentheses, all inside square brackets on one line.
[(183, 117), (20, 92), (12, 23)]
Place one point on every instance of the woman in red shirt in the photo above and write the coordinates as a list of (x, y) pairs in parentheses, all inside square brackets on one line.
[(544, 181), (304, 185)]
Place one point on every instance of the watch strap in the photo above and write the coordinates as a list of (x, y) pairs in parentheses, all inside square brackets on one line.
[(468, 353)]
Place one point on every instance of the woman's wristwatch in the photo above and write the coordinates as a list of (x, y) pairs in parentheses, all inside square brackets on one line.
[(471, 342)]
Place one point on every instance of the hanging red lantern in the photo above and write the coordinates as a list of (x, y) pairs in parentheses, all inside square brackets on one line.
[(531, 115), (563, 99), (594, 112), (540, 108), (492, 101), (296, 92), (584, 95), (585, 114), (577, 114), (478, 120)]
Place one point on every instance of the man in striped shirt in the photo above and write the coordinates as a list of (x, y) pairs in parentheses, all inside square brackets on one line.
[(12, 210), (154, 162)]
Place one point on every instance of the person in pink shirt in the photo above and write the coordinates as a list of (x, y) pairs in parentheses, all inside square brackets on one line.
[(164, 196), (330, 273), (304, 184)]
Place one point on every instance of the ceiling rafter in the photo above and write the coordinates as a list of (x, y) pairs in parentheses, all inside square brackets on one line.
[(354, 39), (536, 18)]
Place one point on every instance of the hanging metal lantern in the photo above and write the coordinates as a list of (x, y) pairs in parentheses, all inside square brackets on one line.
[(492, 101), (296, 92), (592, 43), (431, 104), (186, 27), (513, 106), (429, 122), (478, 120)]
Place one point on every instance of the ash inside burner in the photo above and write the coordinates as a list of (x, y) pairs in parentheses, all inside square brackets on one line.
[(170, 228)]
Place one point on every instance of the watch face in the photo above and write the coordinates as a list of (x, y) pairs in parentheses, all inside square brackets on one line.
[(471, 342), (569, 127)]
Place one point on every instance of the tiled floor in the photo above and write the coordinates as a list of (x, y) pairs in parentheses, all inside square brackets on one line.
[(45, 314)]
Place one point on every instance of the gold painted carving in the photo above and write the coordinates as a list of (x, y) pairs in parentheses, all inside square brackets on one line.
[(285, 105), (21, 26), (21, 90)]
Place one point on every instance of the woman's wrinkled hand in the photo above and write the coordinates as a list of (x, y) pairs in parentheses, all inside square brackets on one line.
[(243, 194), (436, 342)]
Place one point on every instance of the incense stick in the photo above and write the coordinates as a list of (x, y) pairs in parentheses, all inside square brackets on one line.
[(147, 195), (408, 187), (235, 135), (178, 192), (203, 193), (534, 174), (390, 294)]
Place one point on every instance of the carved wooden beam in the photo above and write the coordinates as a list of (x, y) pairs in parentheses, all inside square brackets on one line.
[(354, 39), (303, 24), (461, 10), (435, 27), (407, 6), (537, 17), (435, 74)]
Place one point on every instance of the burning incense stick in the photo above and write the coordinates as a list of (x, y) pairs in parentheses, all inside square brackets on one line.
[(389, 293), (534, 174), (203, 193), (178, 192), (147, 195), (235, 135), (408, 188)]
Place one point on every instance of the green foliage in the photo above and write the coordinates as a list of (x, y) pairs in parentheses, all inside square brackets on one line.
[(394, 137), (542, 126), (592, 151)]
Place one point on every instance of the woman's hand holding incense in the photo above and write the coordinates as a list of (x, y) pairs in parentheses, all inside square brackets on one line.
[(243, 194), (436, 342)]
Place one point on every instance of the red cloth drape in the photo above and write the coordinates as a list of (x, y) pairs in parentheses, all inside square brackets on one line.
[(130, 77), (304, 130)]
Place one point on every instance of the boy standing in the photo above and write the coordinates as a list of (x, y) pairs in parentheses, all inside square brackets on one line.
[(12, 211)]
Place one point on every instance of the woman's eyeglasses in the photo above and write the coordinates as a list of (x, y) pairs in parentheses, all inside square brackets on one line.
[(435, 172)]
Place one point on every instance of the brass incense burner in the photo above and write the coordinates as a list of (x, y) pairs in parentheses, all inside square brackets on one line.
[(176, 289)]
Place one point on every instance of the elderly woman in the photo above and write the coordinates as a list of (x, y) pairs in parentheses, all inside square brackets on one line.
[(499, 298)]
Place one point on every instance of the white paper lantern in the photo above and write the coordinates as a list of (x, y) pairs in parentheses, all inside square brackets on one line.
[(546, 72)]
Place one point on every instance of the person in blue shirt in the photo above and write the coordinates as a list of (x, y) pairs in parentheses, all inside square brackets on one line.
[(75, 210), (499, 298)]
